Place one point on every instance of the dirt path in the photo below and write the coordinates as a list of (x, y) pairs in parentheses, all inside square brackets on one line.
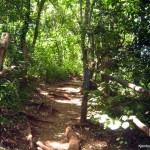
[(66, 98), (45, 116), (49, 111)]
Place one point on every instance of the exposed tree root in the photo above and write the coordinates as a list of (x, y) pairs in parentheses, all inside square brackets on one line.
[(60, 95), (37, 118), (29, 136), (39, 106), (73, 138), (41, 146)]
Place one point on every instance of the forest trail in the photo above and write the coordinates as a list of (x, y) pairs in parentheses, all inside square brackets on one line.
[(48, 112), (65, 101)]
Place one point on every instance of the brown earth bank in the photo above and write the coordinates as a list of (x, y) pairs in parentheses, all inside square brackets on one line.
[(49, 120)]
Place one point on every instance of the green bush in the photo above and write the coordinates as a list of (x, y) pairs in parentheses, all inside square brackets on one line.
[(118, 111), (44, 65), (9, 96)]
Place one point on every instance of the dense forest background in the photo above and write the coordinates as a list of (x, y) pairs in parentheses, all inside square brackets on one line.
[(105, 41)]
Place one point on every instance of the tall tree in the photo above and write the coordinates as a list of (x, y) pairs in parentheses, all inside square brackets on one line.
[(85, 22), (25, 26), (40, 6)]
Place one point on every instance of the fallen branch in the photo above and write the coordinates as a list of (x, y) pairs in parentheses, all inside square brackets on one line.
[(129, 85), (73, 139), (41, 146), (29, 136), (141, 126)]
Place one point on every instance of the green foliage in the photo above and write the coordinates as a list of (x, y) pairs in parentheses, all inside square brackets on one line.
[(116, 29), (9, 100), (46, 67), (9, 97), (117, 111), (6, 121)]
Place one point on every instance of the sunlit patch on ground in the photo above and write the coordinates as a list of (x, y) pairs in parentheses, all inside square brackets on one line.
[(57, 145), (73, 101), (95, 145), (70, 89), (44, 93)]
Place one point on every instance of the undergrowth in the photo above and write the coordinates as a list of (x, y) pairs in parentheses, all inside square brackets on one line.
[(116, 111)]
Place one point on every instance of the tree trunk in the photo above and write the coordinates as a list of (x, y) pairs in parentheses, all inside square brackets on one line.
[(40, 8), (25, 26), (86, 54), (4, 42), (105, 65), (86, 87), (23, 43)]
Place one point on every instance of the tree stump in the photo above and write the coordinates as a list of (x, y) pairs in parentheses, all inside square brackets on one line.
[(4, 42)]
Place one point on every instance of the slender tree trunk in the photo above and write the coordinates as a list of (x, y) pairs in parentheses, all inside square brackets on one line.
[(86, 88), (87, 68), (84, 60), (105, 65), (25, 26), (23, 42), (40, 8)]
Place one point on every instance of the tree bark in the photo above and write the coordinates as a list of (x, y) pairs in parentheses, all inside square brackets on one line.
[(42, 146), (127, 84), (4, 42), (105, 65), (141, 126), (86, 87), (40, 8), (25, 26), (87, 69)]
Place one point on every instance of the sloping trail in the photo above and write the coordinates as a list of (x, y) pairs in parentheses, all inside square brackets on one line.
[(45, 116), (66, 98)]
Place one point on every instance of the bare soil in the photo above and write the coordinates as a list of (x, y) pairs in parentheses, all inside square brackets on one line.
[(45, 116)]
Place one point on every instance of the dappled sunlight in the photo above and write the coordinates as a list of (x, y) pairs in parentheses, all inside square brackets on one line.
[(57, 145), (63, 95), (70, 89), (48, 145), (73, 101), (44, 93), (97, 145)]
